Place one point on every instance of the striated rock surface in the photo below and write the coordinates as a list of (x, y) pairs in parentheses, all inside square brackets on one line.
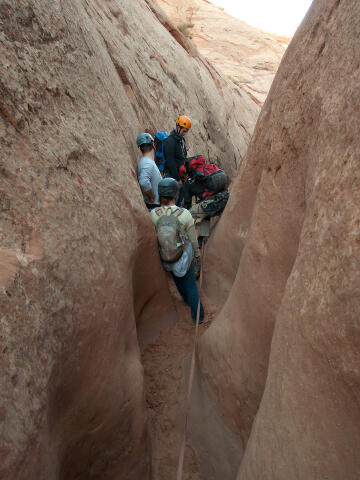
[(81, 282), (219, 131), (247, 55), (285, 349)]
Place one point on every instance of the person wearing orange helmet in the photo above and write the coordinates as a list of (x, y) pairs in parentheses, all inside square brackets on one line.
[(175, 150), (183, 122)]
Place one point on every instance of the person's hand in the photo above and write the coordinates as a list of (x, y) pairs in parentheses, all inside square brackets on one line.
[(150, 196)]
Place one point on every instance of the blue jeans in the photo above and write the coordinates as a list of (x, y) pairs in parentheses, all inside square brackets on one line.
[(189, 292)]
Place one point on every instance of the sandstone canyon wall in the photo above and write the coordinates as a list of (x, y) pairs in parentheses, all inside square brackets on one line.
[(285, 348), (81, 283), (247, 55)]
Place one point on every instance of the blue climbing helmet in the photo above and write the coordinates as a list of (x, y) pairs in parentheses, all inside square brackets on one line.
[(144, 139), (160, 137)]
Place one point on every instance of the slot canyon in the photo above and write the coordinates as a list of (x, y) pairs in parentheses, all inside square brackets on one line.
[(95, 341)]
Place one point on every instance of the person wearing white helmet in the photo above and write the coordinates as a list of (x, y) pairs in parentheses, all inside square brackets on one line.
[(148, 172)]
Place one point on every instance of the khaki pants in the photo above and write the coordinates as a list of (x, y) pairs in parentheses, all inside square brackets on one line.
[(197, 212)]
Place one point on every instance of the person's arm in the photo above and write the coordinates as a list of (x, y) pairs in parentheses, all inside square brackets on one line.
[(191, 233), (145, 181), (171, 163), (150, 195)]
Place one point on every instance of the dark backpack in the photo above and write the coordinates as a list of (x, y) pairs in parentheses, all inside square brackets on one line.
[(216, 204), (159, 139), (210, 175), (168, 230)]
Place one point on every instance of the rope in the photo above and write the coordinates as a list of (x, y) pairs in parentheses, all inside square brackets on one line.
[(191, 379)]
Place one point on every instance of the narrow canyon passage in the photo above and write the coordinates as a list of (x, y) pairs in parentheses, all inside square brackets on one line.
[(163, 363), (277, 387)]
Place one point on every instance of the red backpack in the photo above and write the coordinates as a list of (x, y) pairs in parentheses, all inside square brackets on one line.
[(209, 174)]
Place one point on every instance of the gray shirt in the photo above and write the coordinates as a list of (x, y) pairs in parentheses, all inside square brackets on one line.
[(149, 177)]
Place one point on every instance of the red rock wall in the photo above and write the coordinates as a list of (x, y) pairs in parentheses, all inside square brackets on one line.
[(81, 281), (247, 55), (297, 200), (73, 222)]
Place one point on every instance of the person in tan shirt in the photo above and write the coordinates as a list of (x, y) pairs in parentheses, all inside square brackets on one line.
[(183, 269)]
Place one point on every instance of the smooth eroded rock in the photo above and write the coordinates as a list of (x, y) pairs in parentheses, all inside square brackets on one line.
[(82, 286), (248, 56), (294, 210)]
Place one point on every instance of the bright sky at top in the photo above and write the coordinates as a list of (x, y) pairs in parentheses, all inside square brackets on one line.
[(275, 16)]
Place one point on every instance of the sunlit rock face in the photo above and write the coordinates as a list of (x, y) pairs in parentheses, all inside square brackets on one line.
[(81, 280), (247, 55), (280, 365)]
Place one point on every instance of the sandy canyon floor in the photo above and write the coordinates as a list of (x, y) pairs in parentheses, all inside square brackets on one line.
[(163, 363)]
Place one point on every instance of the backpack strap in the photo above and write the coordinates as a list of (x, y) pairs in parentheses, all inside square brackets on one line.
[(159, 212), (178, 212)]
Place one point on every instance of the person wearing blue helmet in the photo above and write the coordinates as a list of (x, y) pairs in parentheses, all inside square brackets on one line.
[(148, 173)]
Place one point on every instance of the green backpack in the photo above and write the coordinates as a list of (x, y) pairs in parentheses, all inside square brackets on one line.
[(168, 229)]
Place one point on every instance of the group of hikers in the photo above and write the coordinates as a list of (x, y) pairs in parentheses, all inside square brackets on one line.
[(169, 181)]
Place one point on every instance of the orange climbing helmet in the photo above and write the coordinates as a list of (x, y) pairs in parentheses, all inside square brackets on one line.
[(183, 122)]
